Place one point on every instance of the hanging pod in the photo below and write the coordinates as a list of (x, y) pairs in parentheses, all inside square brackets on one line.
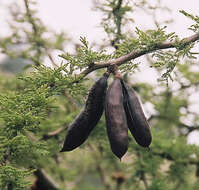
[(84, 123), (136, 119), (116, 122)]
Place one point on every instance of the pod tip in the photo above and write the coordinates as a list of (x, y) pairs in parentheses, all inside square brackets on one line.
[(120, 158)]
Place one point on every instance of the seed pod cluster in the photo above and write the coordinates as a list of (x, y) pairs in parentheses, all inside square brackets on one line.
[(84, 123), (123, 111)]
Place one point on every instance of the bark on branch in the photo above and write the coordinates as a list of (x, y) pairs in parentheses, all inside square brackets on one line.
[(54, 134)]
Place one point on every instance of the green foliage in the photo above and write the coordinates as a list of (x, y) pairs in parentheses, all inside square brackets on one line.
[(21, 112), (85, 58), (188, 72), (13, 178), (159, 184), (22, 148), (193, 27), (56, 80)]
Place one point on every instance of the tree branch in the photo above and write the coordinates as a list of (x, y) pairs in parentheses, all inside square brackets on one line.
[(137, 53), (54, 133), (31, 20), (29, 15), (118, 22)]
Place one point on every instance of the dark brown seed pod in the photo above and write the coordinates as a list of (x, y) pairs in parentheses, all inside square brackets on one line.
[(136, 119), (84, 123), (116, 123)]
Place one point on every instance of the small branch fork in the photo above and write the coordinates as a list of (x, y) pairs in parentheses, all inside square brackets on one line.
[(54, 134), (135, 54)]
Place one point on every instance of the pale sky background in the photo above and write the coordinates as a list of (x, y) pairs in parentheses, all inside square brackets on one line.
[(76, 18)]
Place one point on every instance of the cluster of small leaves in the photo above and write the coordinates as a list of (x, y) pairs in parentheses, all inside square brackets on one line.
[(56, 81), (13, 178), (85, 58), (166, 60), (130, 67), (193, 27), (21, 112), (145, 41), (127, 46), (23, 148), (183, 50), (150, 39), (3, 148)]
